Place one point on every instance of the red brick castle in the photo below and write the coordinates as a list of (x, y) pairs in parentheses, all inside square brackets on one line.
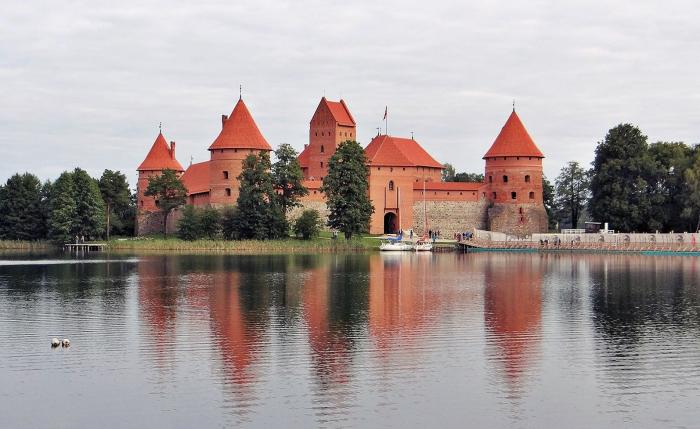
[(404, 179)]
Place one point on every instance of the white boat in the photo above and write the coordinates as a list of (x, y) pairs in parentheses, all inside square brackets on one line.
[(423, 246), (395, 246)]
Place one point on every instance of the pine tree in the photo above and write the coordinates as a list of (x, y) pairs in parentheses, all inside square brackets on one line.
[(62, 209), (346, 189), (90, 208), (115, 193), (21, 216), (571, 192)]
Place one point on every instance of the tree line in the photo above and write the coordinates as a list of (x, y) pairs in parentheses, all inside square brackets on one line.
[(74, 205)]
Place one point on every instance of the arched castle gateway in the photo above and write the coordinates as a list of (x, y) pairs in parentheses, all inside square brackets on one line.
[(404, 179)]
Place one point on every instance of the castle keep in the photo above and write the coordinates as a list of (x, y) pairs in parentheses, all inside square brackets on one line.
[(404, 179)]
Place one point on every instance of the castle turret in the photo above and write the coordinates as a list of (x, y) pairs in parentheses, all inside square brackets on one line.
[(239, 137), (513, 179), (160, 157), (331, 124)]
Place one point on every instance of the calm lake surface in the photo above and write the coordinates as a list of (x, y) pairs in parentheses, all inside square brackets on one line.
[(361, 340)]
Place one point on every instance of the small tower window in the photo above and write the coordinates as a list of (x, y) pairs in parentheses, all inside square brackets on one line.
[(228, 192), (321, 164), (513, 195), (527, 178), (532, 195), (391, 185), (323, 149), (490, 179), (505, 179), (493, 195), (225, 174)]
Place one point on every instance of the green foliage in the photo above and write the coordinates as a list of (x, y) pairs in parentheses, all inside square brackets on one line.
[(308, 225), (89, 206), (63, 209), (620, 183), (189, 226), (548, 202), (210, 223), (469, 177), (346, 189), (571, 193), (259, 214), (169, 192), (669, 188), (287, 177), (22, 215), (691, 209), (116, 196), (229, 219), (448, 172)]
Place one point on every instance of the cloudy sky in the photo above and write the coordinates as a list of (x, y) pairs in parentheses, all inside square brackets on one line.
[(85, 83)]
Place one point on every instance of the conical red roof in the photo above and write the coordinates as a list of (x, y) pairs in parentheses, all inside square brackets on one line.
[(513, 140), (240, 131), (160, 157)]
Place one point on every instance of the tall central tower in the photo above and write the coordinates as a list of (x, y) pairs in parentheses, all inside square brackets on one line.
[(331, 124), (239, 137), (513, 178)]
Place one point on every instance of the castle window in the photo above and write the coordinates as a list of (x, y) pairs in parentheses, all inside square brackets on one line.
[(532, 195), (404, 169), (518, 158), (157, 203), (228, 192), (322, 149), (379, 168), (490, 179), (225, 174), (234, 151), (527, 178), (505, 179), (513, 195), (493, 195), (391, 168), (222, 151), (391, 185), (448, 192), (321, 164), (141, 203)]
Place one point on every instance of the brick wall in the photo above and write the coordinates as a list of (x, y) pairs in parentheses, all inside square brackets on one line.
[(517, 219), (450, 217)]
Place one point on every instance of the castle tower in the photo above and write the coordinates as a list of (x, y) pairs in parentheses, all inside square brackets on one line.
[(160, 157), (513, 179), (331, 124), (239, 137)]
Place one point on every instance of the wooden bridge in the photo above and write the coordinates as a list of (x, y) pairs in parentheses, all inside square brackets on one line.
[(517, 245), (84, 247)]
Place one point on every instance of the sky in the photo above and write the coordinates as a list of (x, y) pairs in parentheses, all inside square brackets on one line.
[(86, 83)]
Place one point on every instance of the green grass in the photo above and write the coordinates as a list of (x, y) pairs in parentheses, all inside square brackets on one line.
[(25, 245), (322, 244)]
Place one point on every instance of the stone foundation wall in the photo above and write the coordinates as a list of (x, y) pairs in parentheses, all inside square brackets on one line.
[(319, 206), (517, 219), (450, 217), (149, 222)]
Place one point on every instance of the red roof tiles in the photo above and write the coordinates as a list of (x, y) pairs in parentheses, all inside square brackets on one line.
[(196, 178), (303, 157), (239, 131), (340, 112), (160, 157), (513, 140), (397, 151)]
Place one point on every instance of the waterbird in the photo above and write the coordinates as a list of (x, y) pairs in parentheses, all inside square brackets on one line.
[(66, 342), (55, 342)]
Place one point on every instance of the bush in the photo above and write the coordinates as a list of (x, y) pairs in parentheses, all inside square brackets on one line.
[(189, 226), (308, 225), (210, 223)]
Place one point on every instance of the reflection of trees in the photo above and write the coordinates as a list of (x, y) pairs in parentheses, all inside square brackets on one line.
[(512, 309)]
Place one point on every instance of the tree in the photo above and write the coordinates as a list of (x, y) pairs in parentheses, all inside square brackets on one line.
[(62, 209), (258, 213), (571, 192), (308, 225), (21, 215), (189, 225), (669, 189), (169, 192), (448, 172), (346, 189), (620, 191), (229, 220), (210, 223), (115, 193), (287, 177), (548, 202), (691, 209), (469, 177), (89, 207)]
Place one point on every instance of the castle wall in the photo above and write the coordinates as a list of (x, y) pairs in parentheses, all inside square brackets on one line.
[(151, 222), (450, 216), (224, 168), (517, 219)]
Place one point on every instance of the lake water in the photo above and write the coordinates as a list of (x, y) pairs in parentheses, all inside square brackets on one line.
[(360, 340)]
